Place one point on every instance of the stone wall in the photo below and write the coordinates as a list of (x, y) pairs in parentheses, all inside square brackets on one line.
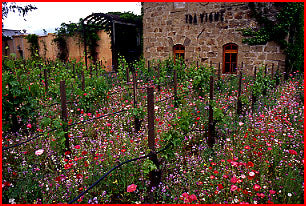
[(49, 50), (165, 24)]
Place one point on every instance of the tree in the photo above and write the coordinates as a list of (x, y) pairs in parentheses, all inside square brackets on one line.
[(13, 7), (285, 27)]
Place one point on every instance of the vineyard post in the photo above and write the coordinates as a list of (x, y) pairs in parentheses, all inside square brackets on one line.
[(253, 96), (46, 80), (277, 71), (175, 87), (90, 71), (148, 70), (127, 73), (64, 112), (136, 119), (210, 63), (272, 71), (219, 71), (239, 104), (73, 70), (265, 69), (158, 77), (15, 124), (197, 64), (211, 138), (96, 65), (155, 175), (39, 65), (83, 81)]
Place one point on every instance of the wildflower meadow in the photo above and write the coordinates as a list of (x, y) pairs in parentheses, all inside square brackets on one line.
[(206, 149)]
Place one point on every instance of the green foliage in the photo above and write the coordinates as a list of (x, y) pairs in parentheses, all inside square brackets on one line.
[(201, 79), (128, 16), (34, 46), (148, 166), (62, 45), (77, 29), (262, 83), (285, 28)]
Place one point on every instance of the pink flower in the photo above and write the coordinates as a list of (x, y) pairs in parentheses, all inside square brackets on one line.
[(234, 180), (256, 187), (77, 146), (192, 198), (234, 187), (29, 126), (290, 136), (272, 192), (188, 198), (131, 188), (262, 195), (269, 148), (271, 130), (240, 123), (39, 152), (109, 124), (225, 176)]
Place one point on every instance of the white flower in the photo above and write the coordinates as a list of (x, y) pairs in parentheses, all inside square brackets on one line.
[(252, 174), (12, 201), (39, 152), (289, 194)]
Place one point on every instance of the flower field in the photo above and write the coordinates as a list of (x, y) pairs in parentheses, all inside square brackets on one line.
[(257, 156)]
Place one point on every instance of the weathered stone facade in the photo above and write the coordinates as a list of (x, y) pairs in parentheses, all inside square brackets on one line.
[(203, 28)]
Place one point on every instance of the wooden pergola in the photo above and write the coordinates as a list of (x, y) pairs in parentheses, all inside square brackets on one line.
[(108, 23)]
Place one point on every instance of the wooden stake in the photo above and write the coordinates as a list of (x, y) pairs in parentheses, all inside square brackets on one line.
[(211, 138), (64, 112)]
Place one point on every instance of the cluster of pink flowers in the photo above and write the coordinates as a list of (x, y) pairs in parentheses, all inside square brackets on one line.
[(188, 198)]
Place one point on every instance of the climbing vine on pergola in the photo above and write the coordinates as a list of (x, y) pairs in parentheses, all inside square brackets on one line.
[(114, 26)]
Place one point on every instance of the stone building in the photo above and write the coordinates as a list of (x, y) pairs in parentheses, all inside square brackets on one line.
[(205, 32)]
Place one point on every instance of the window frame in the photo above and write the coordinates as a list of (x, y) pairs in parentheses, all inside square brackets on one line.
[(230, 48), (178, 49)]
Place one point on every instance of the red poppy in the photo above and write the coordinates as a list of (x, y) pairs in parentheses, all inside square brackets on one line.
[(7, 184), (250, 164), (79, 176), (67, 152), (293, 152), (220, 186), (67, 166)]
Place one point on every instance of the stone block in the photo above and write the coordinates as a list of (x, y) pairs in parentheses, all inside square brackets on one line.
[(210, 41), (238, 15), (211, 54), (275, 56), (261, 57), (257, 48)]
